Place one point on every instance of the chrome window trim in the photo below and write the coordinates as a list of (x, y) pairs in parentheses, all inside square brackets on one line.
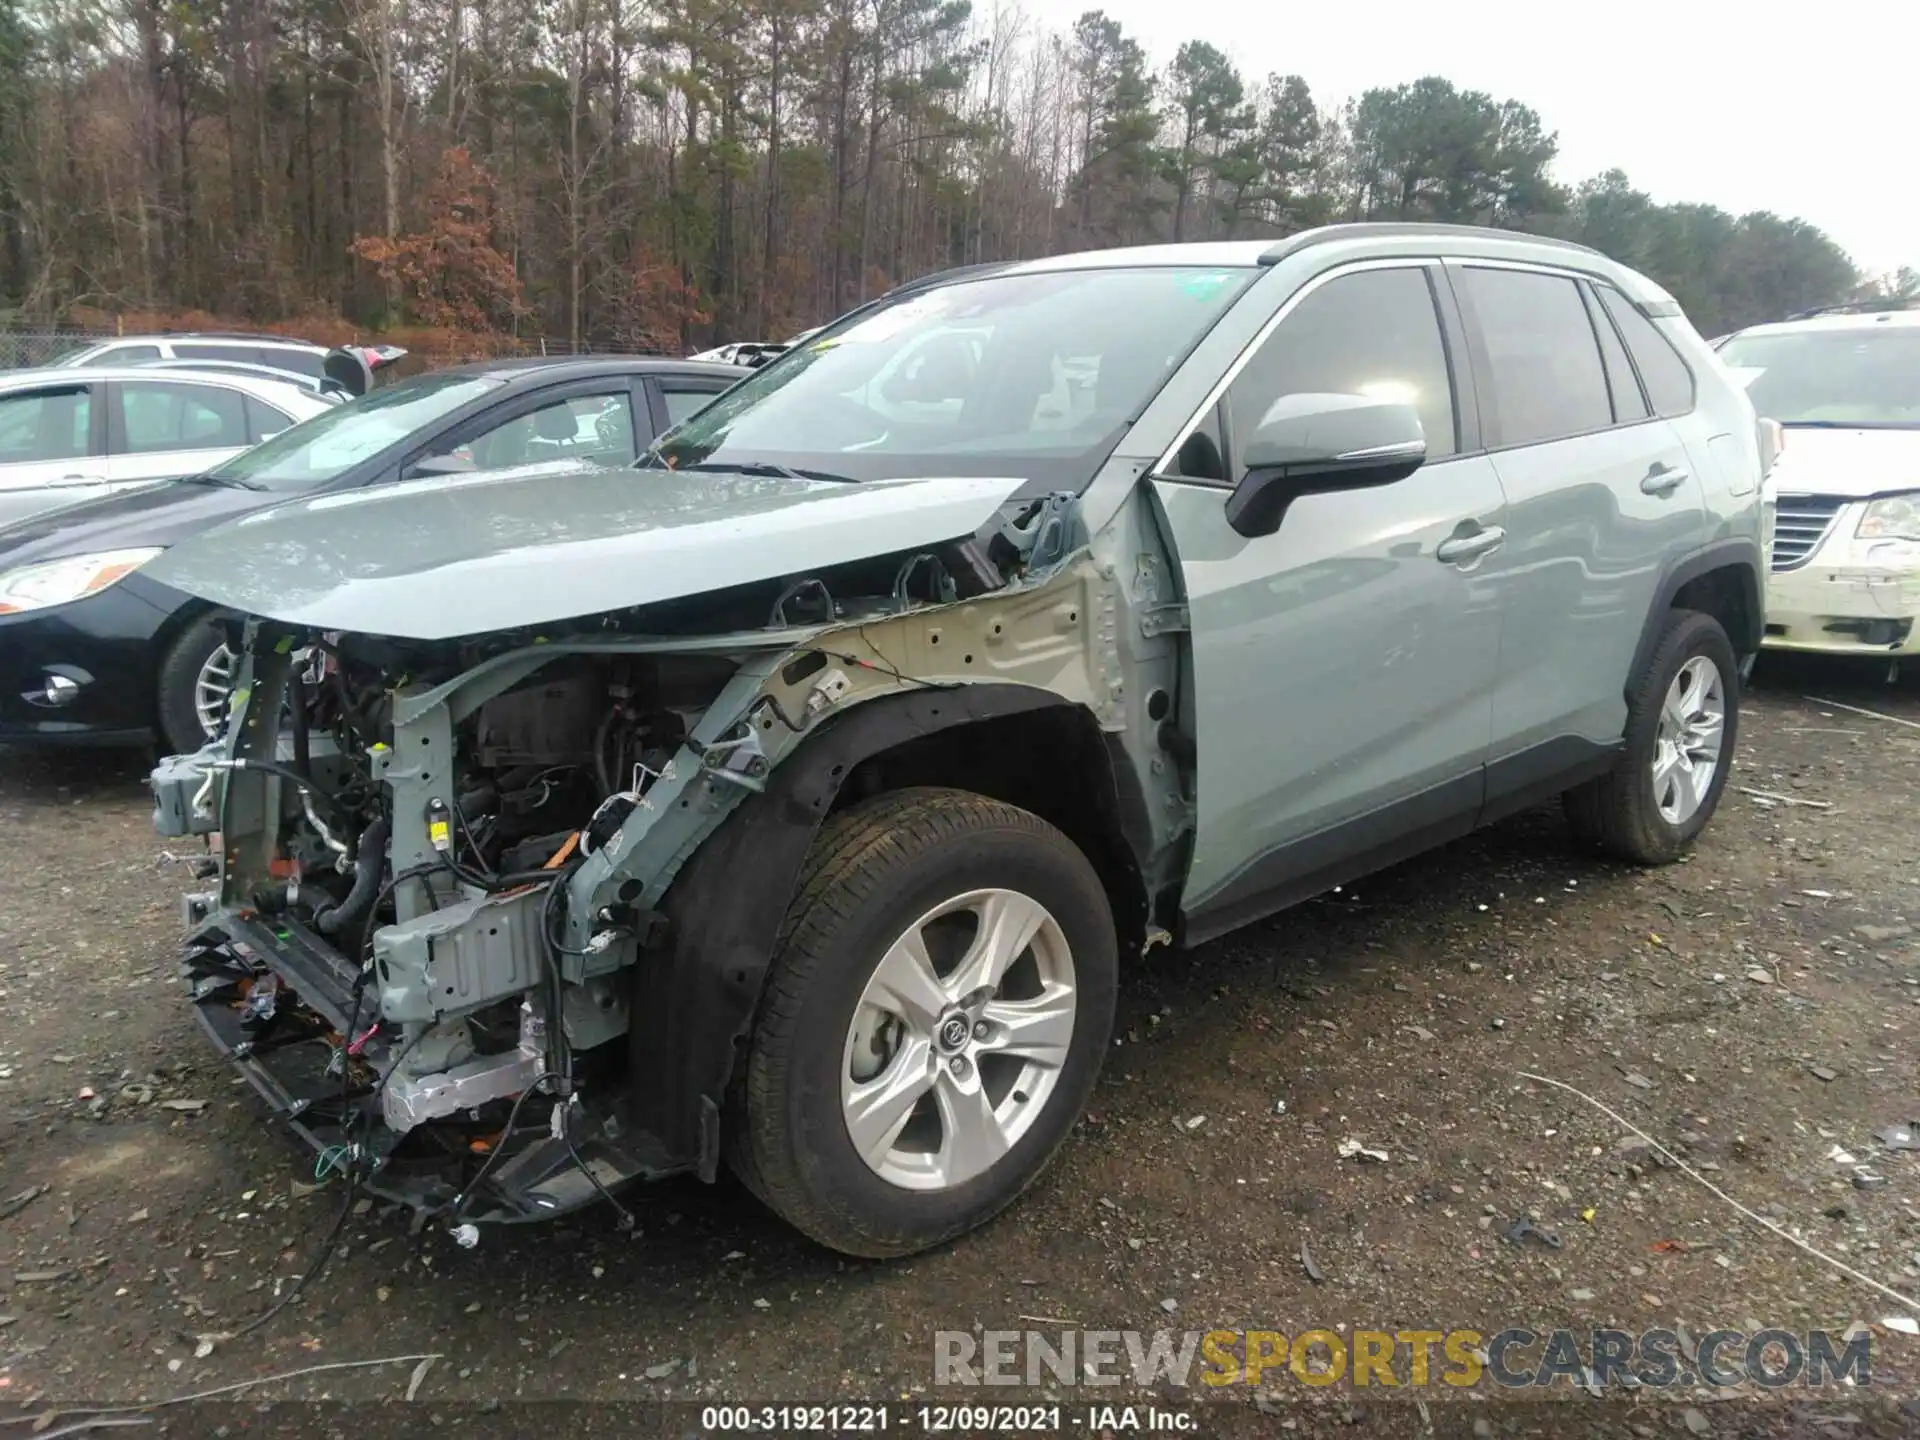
[(1474, 262)]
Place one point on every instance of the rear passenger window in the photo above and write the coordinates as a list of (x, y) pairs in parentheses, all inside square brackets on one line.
[(1545, 378), (1629, 404), (263, 420), (159, 415), (1668, 380), (1374, 332)]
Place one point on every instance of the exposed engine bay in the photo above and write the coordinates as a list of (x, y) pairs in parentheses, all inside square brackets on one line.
[(440, 863), (441, 981)]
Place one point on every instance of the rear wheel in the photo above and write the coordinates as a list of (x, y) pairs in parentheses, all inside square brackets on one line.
[(1681, 726), (195, 685), (935, 1018)]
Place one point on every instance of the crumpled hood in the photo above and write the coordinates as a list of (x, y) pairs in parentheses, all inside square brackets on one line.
[(446, 557), (1849, 463)]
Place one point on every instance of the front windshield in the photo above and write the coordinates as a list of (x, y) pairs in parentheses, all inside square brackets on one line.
[(317, 450), (1859, 376), (1031, 375)]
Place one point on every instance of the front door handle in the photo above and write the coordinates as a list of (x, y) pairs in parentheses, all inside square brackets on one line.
[(1662, 480), (1456, 549)]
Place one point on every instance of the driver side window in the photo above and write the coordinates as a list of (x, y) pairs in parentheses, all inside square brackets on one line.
[(598, 428), (1372, 332)]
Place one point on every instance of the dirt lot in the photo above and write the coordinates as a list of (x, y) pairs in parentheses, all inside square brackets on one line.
[(1753, 1008)]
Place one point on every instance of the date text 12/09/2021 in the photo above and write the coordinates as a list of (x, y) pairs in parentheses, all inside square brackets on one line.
[(941, 1419)]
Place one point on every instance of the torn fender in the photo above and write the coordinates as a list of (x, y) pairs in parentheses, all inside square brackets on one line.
[(694, 996)]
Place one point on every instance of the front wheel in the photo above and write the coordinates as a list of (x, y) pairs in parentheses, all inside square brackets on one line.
[(195, 688), (937, 1011), (1681, 725)]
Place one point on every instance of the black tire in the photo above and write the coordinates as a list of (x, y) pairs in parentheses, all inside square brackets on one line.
[(1618, 814), (873, 870), (179, 674)]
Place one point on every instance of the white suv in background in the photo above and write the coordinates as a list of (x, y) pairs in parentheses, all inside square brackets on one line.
[(1844, 386), (300, 357)]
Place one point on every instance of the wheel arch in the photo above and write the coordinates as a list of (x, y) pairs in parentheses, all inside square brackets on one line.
[(696, 992), (190, 610), (186, 613), (1722, 580)]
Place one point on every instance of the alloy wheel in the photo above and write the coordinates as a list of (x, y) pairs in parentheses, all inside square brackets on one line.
[(1688, 744), (958, 1040), (213, 690)]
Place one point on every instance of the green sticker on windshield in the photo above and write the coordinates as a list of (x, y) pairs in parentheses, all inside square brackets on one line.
[(1203, 287)]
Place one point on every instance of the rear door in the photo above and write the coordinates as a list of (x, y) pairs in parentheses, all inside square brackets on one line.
[(52, 439), (1668, 384), (1600, 495), (165, 429), (1343, 666)]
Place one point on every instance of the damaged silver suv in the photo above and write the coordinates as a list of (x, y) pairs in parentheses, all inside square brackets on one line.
[(790, 801)]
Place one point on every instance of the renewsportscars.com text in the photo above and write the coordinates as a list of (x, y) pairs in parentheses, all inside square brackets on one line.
[(1513, 1358)]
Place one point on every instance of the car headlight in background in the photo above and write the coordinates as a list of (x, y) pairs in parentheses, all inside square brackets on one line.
[(57, 582), (1892, 517)]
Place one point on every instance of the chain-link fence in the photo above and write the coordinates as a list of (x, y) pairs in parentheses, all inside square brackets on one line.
[(22, 349)]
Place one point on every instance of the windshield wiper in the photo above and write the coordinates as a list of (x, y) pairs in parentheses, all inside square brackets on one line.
[(767, 468), (214, 477)]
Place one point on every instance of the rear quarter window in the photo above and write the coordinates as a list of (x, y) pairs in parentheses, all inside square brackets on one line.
[(298, 362), (1668, 380), (263, 420)]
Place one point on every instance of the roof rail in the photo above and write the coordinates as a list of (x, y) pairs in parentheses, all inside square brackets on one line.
[(1356, 230), (1884, 304), (948, 277), (216, 335)]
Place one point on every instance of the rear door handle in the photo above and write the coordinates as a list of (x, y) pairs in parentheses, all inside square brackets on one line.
[(1458, 548), (1662, 480)]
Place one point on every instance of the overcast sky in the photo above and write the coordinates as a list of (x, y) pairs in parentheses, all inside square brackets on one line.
[(1811, 112)]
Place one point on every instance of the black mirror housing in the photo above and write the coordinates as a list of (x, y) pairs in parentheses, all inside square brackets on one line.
[(1312, 444)]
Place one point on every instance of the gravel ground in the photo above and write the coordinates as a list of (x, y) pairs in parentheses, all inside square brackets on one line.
[(1752, 1008)]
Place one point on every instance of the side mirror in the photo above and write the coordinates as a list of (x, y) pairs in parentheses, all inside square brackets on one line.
[(1312, 444), (440, 465)]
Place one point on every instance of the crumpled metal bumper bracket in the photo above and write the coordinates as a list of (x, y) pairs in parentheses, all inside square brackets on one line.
[(286, 1060)]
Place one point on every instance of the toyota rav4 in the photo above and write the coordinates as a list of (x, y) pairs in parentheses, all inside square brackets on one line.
[(791, 801)]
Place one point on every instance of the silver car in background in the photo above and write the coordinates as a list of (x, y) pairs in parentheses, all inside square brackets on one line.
[(68, 436)]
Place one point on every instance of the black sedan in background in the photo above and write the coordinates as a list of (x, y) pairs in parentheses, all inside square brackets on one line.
[(92, 650)]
